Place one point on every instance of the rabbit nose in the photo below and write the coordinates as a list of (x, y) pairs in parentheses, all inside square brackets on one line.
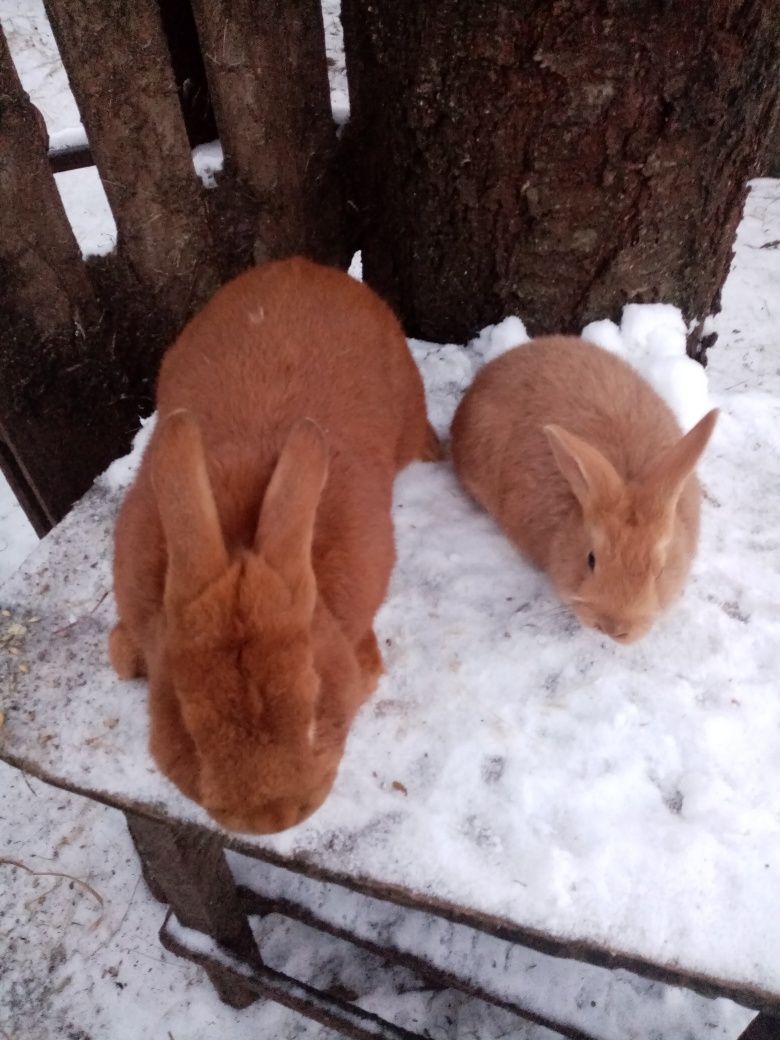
[(613, 627)]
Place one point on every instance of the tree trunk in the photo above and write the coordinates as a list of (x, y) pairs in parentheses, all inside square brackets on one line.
[(555, 160), (119, 68), (771, 168), (53, 439), (269, 84)]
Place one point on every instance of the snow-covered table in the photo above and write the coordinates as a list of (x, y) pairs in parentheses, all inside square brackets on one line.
[(513, 773)]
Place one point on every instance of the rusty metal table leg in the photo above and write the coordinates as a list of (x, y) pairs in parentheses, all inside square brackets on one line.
[(186, 868)]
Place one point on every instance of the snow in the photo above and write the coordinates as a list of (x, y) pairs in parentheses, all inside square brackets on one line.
[(88, 211), (38, 62), (337, 71), (633, 792), (68, 139), (17, 538), (607, 1004), (497, 339), (200, 943), (122, 470), (549, 775), (653, 337), (208, 160)]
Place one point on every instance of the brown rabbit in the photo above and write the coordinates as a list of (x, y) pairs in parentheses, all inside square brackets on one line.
[(256, 543), (586, 469)]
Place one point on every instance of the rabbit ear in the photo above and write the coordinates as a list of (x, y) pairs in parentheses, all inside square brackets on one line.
[(589, 474), (193, 536), (667, 474), (285, 529)]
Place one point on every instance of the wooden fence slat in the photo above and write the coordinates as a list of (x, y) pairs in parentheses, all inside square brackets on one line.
[(46, 304), (51, 285), (268, 77), (119, 69)]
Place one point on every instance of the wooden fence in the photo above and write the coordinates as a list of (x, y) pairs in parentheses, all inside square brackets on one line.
[(80, 341)]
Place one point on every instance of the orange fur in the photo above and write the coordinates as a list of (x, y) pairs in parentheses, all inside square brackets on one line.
[(256, 543), (573, 453)]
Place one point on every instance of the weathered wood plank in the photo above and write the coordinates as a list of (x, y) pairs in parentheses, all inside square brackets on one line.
[(186, 868), (136, 131), (268, 76), (52, 447)]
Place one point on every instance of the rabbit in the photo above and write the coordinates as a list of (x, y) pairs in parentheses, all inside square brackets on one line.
[(256, 543), (585, 468)]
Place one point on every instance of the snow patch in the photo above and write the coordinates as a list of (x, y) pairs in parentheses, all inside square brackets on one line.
[(356, 267), (17, 537), (87, 209), (337, 67), (200, 943), (208, 160), (652, 338), (70, 137), (495, 340), (121, 472)]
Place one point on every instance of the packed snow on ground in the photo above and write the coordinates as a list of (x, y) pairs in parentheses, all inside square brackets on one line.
[(38, 62), (17, 537)]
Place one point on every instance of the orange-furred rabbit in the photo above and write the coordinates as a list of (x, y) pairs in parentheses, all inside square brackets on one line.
[(587, 471), (256, 543)]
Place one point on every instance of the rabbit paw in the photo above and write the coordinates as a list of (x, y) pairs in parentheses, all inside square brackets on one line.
[(126, 659), (370, 661)]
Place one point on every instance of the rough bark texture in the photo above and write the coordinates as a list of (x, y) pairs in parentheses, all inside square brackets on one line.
[(771, 168), (119, 68), (51, 441), (267, 72), (555, 160)]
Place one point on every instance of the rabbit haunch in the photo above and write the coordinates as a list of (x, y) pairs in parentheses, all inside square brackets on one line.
[(256, 543), (587, 471)]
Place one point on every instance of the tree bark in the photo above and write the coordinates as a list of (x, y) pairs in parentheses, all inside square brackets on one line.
[(52, 442), (120, 72), (268, 76), (771, 168), (555, 160)]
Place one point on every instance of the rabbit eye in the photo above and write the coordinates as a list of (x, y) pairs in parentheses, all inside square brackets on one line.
[(591, 561)]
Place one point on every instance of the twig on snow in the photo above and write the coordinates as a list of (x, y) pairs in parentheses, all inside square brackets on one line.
[(118, 928), (56, 874)]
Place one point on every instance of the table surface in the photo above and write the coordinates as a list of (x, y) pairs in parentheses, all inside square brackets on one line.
[(512, 771)]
